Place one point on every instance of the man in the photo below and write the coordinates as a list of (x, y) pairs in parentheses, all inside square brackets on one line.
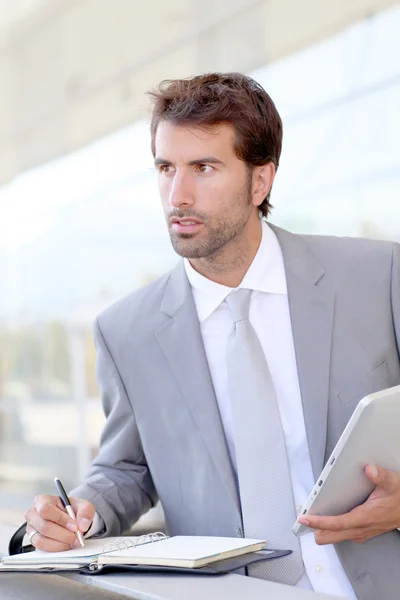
[(227, 382)]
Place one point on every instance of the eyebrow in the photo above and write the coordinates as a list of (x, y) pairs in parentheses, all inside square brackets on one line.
[(205, 160)]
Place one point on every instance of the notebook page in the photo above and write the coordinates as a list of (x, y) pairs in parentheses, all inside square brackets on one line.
[(186, 548), (93, 548)]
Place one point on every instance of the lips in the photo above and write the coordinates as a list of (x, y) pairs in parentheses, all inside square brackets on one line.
[(186, 225), (185, 221)]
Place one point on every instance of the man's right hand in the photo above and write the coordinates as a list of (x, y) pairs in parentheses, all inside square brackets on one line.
[(56, 531)]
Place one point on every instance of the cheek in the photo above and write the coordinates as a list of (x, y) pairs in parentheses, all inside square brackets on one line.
[(211, 192)]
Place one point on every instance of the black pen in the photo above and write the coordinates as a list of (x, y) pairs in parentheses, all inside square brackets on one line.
[(67, 504)]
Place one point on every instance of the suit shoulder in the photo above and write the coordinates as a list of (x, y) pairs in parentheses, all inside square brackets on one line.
[(135, 305), (352, 261), (349, 248)]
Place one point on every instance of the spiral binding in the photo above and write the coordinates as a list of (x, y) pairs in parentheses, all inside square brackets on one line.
[(148, 538)]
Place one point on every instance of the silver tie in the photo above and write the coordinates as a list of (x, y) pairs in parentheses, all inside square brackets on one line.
[(265, 488)]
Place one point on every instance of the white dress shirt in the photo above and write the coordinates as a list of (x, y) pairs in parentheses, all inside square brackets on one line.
[(270, 317)]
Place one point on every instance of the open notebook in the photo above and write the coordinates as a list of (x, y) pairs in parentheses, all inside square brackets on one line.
[(154, 550)]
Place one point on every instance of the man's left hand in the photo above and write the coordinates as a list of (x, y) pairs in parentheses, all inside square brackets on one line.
[(379, 513)]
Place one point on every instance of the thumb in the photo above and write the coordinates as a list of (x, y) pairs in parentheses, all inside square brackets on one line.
[(84, 512), (381, 477)]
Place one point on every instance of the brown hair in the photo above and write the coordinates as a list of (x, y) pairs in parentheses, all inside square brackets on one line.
[(207, 100)]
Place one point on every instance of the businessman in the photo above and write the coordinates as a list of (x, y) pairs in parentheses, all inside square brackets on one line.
[(227, 382)]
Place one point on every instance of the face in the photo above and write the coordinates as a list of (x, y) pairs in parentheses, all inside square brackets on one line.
[(206, 190)]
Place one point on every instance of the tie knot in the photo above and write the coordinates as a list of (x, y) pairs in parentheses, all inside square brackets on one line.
[(239, 304)]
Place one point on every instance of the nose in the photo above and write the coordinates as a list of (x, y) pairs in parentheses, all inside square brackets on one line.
[(181, 191)]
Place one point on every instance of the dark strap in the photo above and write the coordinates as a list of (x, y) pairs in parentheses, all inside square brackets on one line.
[(15, 545)]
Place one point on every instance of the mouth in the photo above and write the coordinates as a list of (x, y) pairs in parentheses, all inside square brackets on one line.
[(186, 225)]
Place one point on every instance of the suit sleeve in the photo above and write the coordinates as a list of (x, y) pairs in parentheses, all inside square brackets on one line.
[(119, 483), (395, 293)]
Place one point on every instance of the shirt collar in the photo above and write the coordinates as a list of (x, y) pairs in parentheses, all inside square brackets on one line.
[(265, 274)]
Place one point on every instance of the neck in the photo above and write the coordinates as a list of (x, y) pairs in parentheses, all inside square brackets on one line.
[(231, 263)]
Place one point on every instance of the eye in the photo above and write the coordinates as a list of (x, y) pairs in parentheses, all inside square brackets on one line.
[(204, 168), (165, 168)]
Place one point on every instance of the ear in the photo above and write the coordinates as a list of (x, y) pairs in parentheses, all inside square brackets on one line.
[(263, 178)]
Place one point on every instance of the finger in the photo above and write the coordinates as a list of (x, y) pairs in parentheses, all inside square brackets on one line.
[(29, 530), (351, 520), (51, 530), (84, 512), (41, 542), (385, 479), (48, 508), (334, 537), (323, 537)]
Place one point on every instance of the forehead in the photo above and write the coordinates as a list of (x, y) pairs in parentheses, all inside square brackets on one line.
[(189, 142)]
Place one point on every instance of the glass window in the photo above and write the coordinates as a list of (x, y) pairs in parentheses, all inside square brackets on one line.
[(84, 230)]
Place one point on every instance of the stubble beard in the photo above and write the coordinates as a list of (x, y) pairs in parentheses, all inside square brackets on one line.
[(224, 228)]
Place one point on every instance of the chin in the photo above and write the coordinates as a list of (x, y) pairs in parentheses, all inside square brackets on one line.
[(185, 245), (188, 250)]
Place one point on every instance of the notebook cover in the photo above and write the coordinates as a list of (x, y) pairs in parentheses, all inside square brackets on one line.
[(217, 568)]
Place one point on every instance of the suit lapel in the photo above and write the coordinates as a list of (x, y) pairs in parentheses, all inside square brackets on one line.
[(182, 344), (311, 303)]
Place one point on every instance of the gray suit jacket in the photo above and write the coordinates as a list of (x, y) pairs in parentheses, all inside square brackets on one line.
[(163, 436)]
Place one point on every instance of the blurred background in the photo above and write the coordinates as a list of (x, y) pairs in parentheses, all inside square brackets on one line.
[(80, 219)]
